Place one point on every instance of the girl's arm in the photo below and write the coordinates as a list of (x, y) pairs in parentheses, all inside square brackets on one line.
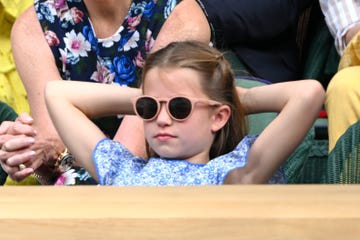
[(71, 104), (298, 104)]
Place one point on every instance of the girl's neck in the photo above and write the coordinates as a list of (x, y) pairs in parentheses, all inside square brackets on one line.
[(201, 158), (107, 15)]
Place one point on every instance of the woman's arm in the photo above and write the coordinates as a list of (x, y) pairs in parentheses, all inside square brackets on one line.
[(35, 65), (71, 104), (298, 104)]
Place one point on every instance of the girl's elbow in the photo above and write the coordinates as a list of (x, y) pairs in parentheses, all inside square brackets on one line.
[(313, 93), (50, 90), (318, 90), (53, 91)]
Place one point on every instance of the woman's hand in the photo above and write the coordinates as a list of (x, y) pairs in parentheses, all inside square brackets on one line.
[(16, 138), (23, 150)]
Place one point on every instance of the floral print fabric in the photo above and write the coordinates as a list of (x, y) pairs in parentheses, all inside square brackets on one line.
[(118, 59), (80, 55), (115, 165)]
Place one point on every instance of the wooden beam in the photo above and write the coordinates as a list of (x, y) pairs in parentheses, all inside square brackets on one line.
[(212, 212)]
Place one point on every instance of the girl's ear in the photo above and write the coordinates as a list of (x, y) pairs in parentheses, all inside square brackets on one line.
[(220, 117)]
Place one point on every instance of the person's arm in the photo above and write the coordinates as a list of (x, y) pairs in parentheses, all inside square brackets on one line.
[(35, 65), (186, 22), (353, 30), (343, 20), (72, 104), (298, 104), (247, 21)]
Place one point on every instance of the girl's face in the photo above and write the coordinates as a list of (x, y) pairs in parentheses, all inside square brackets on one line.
[(190, 139)]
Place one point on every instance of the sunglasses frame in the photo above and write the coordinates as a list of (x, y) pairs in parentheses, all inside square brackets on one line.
[(159, 101)]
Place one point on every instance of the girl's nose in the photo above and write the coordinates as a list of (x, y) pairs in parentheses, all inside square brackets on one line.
[(163, 118)]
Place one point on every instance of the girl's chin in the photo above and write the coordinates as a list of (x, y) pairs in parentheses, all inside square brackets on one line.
[(169, 156)]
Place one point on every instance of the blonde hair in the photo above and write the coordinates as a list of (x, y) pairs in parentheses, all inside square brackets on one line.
[(217, 83)]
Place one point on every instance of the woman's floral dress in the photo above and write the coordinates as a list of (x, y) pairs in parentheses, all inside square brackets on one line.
[(118, 59)]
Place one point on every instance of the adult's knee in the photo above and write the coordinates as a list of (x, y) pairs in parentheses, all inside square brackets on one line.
[(344, 85)]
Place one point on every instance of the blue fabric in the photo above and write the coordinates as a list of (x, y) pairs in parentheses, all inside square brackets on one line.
[(115, 165)]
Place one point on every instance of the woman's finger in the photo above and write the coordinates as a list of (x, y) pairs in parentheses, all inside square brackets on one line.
[(18, 143)]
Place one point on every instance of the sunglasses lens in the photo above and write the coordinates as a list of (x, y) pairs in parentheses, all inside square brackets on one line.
[(146, 107), (180, 107)]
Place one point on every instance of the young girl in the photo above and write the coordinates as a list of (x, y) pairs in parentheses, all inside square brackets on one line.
[(194, 122)]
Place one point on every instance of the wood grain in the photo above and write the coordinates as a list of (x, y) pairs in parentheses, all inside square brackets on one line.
[(213, 212)]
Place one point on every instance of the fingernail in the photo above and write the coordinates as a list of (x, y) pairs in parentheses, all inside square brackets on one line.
[(28, 118), (31, 153)]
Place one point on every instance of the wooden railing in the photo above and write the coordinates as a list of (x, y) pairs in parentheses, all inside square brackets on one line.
[(220, 212)]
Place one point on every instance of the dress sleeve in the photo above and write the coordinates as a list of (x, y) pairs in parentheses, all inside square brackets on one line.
[(238, 159), (112, 160)]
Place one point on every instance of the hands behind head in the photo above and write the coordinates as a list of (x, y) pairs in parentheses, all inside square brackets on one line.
[(16, 139)]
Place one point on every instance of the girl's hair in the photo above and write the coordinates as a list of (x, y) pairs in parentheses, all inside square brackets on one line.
[(217, 83)]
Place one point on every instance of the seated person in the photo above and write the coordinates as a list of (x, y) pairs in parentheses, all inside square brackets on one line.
[(91, 59), (262, 34), (343, 92), (194, 122)]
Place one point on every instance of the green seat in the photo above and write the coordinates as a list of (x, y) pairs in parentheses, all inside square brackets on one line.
[(308, 163), (343, 165), (320, 58)]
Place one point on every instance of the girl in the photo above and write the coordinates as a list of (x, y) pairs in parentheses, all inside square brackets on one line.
[(101, 41), (193, 119)]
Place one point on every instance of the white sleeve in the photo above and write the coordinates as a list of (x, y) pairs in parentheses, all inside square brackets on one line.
[(340, 16)]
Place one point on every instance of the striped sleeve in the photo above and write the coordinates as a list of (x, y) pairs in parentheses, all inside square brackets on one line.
[(340, 16)]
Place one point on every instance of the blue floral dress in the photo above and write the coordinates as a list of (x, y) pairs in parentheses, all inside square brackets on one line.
[(118, 59), (115, 165)]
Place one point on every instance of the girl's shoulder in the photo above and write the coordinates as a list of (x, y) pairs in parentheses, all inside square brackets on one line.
[(238, 158), (114, 163), (242, 149), (235, 158), (110, 147)]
